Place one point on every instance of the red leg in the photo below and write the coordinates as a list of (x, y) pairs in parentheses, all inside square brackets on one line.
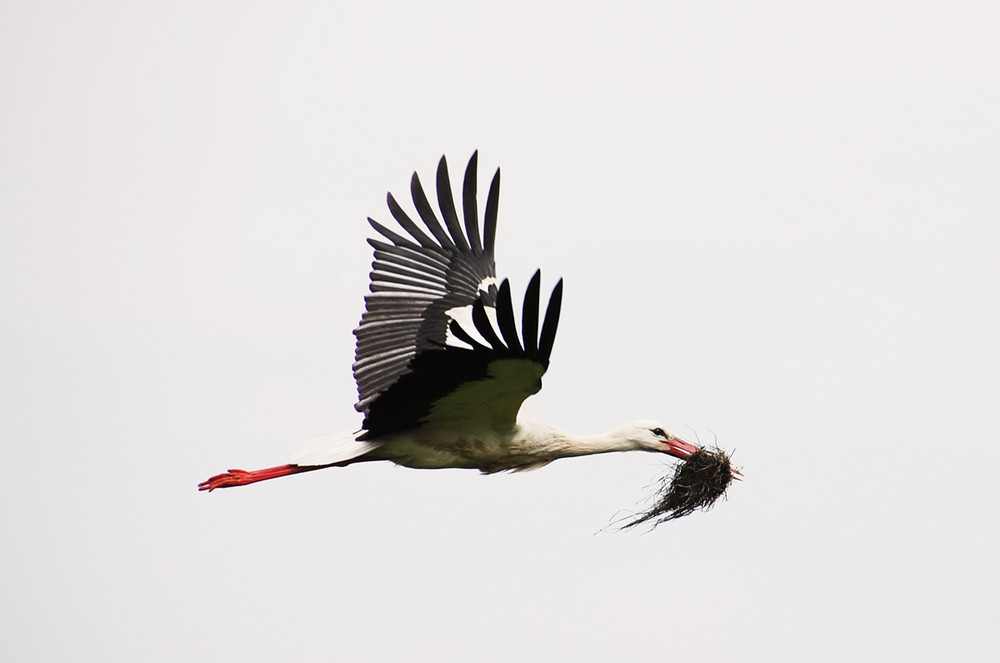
[(243, 477)]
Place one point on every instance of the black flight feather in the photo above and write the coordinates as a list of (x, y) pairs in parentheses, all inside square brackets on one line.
[(447, 205), (490, 216), (548, 337), (407, 223), (529, 315), (485, 327), (398, 240), (505, 318), (469, 207), (427, 213)]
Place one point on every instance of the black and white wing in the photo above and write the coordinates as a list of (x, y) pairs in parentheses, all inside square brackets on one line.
[(481, 382), (435, 319)]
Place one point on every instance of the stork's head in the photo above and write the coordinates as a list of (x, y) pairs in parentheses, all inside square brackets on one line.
[(649, 435)]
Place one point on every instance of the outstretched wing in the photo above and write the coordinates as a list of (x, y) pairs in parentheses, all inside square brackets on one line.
[(480, 383), (417, 280)]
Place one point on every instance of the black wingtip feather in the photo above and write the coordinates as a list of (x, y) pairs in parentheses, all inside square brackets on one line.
[(548, 338), (407, 223), (490, 216), (461, 334), (529, 315), (427, 213), (469, 207), (446, 203), (396, 239), (485, 328), (505, 318)]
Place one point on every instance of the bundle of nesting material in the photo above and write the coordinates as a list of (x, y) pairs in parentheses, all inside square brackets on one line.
[(697, 482)]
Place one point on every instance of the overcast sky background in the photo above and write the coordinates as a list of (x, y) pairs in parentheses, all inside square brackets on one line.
[(778, 226)]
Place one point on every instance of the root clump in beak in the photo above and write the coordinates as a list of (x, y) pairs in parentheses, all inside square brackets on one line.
[(696, 484)]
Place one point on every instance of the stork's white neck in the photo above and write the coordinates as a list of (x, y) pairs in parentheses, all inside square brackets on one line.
[(537, 436)]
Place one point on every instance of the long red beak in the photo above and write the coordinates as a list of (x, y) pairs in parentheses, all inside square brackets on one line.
[(679, 448)]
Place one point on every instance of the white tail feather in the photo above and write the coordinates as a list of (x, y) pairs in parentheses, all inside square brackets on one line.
[(329, 448)]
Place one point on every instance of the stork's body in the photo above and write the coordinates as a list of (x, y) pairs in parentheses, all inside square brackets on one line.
[(532, 443), (441, 366)]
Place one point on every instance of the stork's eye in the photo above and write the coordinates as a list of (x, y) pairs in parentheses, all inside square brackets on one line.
[(658, 432)]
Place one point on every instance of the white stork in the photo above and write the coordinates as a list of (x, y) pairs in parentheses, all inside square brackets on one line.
[(441, 367)]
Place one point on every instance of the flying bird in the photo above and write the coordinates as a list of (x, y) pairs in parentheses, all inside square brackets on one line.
[(442, 367)]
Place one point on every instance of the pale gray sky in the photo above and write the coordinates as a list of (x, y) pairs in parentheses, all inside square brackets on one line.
[(778, 225)]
